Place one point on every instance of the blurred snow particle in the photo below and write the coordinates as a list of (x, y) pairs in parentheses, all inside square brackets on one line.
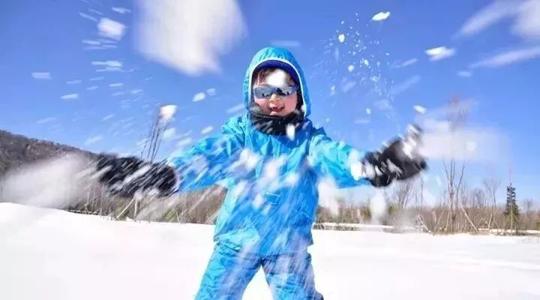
[(420, 109), (166, 112), (407, 63), (381, 16), (291, 131), (45, 120), (350, 68), (277, 78), (199, 97), (365, 62), (41, 75), (111, 29), (108, 117), (341, 37), (235, 109), (465, 74), (368, 111), (169, 134), (92, 87), (121, 10), (509, 57), (439, 53), (70, 97), (327, 195), (87, 16), (54, 183), (404, 85), (179, 34), (108, 65), (207, 130), (76, 81), (211, 92), (116, 84), (92, 140), (377, 207)]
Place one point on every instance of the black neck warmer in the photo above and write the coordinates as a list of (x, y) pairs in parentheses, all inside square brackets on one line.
[(274, 125)]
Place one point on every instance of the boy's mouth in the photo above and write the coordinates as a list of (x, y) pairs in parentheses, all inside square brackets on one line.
[(276, 109)]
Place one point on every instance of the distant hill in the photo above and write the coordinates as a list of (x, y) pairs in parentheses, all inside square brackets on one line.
[(17, 150)]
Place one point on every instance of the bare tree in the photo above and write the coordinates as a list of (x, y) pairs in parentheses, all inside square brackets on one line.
[(491, 186)]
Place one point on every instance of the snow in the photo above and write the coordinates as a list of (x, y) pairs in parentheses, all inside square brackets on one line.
[(199, 97), (341, 37), (179, 35), (70, 97), (439, 53), (419, 109), (121, 10), (207, 130), (92, 140), (166, 112), (41, 75), (111, 29), (53, 254), (381, 16)]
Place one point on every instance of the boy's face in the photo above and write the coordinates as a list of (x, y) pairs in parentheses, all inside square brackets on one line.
[(276, 105)]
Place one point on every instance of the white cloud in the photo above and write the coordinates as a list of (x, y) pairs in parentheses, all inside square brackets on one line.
[(189, 35), (286, 43), (111, 29), (488, 16), (199, 97), (70, 97), (509, 57), (527, 24), (92, 140), (525, 15), (116, 84), (439, 53), (41, 75), (465, 74), (381, 16)]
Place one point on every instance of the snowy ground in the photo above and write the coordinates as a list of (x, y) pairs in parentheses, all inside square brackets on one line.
[(52, 254)]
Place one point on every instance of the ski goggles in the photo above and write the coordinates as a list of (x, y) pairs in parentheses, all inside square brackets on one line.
[(267, 91)]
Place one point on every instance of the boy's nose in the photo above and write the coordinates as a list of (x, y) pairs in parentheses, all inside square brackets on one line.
[(275, 97)]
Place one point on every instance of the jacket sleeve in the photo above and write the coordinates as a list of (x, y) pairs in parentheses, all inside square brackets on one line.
[(208, 161), (336, 160)]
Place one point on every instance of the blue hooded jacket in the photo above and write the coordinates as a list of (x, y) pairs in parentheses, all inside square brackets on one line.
[(272, 180)]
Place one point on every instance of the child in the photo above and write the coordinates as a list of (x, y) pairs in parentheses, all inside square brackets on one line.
[(271, 160)]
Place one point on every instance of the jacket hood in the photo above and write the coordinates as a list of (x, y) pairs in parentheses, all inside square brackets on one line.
[(273, 56)]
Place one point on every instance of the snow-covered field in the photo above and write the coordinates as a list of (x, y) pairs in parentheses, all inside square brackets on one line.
[(52, 254)]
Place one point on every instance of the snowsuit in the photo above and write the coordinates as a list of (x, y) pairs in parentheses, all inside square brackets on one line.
[(272, 197)]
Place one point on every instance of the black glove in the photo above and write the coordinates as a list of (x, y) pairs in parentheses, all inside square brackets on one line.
[(399, 161), (125, 176)]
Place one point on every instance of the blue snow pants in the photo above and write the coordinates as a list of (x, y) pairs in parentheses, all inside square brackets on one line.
[(290, 276)]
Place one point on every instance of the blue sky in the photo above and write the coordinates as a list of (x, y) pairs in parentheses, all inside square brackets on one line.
[(74, 72)]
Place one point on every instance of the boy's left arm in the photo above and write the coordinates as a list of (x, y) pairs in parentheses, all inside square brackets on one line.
[(349, 167)]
